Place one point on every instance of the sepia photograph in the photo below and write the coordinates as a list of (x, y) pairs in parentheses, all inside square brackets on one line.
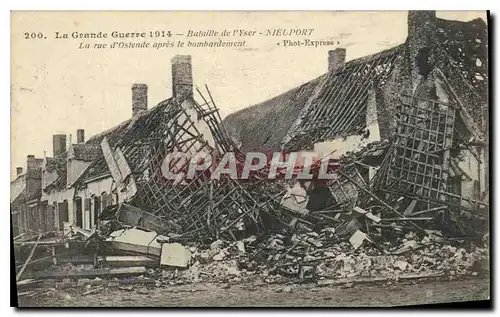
[(250, 158)]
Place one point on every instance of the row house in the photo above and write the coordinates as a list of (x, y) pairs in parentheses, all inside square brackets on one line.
[(427, 97), (25, 201), (80, 180)]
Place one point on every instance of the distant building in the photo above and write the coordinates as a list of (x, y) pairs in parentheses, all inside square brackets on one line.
[(28, 214)]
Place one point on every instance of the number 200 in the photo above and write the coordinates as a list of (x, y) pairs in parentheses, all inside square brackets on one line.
[(33, 35)]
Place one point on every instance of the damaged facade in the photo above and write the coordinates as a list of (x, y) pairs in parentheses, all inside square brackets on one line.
[(421, 109), (417, 111), (77, 183), (406, 129)]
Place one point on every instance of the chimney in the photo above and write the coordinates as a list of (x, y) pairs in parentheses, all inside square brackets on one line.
[(58, 144), (139, 98), (182, 76), (30, 162), (421, 27), (420, 41), (80, 136), (336, 59), (19, 171)]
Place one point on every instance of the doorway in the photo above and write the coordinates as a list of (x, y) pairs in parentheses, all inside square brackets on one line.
[(79, 212)]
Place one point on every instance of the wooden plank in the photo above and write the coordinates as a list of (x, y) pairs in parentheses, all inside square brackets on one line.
[(409, 219), (377, 199), (127, 261), (429, 210), (45, 242), (28, 284), (19, 236), (121, 161), (91, 273), (28, 259), (111, 162), (138, 241), (87, 234), (76, 259), (410, 208)]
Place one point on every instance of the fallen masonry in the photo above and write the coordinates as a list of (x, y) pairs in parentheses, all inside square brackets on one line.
[(310, 257), (359, 224)]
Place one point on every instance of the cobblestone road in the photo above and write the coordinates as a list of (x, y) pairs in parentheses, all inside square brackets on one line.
[(256, 294)]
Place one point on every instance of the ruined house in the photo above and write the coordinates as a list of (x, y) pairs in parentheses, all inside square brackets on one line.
[(408, 126), (79, 183), (124, 163), (420, 107)]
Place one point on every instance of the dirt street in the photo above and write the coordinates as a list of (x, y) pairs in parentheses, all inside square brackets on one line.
[(264, 295)]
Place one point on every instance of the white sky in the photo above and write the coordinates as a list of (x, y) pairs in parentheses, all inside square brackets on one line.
[(57, 88)]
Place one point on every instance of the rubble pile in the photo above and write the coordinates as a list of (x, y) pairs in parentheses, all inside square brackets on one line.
[(359, 236), (287, 259), (310, 257), (371, 188), (363, 222)]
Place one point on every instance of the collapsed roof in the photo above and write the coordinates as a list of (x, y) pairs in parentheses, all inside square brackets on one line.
[(334, 104), (138, 127)]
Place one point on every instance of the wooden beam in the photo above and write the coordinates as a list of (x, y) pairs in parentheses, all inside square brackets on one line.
[(428, 210), (91, 273), (408, 219), (377, 199), (127, 261), (28, 259)]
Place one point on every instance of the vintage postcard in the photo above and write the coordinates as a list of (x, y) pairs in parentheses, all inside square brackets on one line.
[(249, 158)]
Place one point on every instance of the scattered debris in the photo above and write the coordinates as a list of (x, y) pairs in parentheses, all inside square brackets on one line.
[(136, 240), (142, 290), (401, 265), (93, 291), (371, 221), (174, 254), (358, 238)]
